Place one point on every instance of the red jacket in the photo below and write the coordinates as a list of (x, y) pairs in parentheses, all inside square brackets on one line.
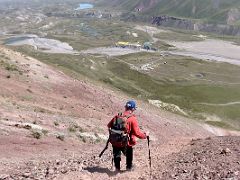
[(132, 128)]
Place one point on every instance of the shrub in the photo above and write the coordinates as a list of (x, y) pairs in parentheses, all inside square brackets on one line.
[(56, 123), (36, 134)]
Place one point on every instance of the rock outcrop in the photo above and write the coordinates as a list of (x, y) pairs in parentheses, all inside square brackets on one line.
[(169, 21)]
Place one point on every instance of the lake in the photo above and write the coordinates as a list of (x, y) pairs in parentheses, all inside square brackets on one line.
[(84, 6)]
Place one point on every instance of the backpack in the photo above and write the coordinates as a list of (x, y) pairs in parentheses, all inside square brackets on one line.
[(118, 133)]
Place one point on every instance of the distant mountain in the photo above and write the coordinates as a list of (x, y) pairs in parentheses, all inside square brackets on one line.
[(214, 12)]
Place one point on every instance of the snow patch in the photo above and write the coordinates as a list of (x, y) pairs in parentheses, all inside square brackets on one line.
[(135, 35)]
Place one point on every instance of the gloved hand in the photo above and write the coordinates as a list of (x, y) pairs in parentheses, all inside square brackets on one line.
[(147, 133)]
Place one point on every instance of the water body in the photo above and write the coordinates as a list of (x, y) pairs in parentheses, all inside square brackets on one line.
[(83, 6), (12, 40), (41, 44)]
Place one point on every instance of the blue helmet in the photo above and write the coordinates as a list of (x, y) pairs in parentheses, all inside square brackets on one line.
[(130, 105)]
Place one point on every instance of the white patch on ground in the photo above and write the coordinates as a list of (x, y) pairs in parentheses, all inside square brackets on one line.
[(22, 125), (44, 44), (200, 36), (210, 49), (93, 65), (166, 106), (113, 51), (92, 136), (3, 131), (47, 26), (102, 136), (224, 104), (22, 18), (212, 118), (219, 131), (135, 35), (147, 67)]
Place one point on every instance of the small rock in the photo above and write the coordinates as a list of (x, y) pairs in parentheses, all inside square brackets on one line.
[(195, 175), (64, 171), (184, 171), (26, 175), (57, 162), (4, 176), (226, 151)]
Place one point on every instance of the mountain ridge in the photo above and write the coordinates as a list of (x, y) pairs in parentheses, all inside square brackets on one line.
[(218, 16)]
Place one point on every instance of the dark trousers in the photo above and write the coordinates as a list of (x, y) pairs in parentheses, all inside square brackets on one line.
[(127, 151)]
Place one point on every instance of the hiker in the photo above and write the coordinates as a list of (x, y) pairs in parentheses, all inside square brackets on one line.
[(124, 129)]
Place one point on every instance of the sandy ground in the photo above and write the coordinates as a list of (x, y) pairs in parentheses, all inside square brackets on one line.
[(114, 51), (209, 49)]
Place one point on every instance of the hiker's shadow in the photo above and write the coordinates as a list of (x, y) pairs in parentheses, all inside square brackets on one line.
[(97, 169)]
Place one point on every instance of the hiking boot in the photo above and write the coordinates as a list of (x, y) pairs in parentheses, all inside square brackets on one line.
[(117, 170), (132, 168)]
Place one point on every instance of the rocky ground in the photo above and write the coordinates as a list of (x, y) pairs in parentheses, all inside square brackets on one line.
[(211, 158), (53, 126)]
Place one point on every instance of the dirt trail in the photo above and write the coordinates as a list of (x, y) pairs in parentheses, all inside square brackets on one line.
[(225, 104), (69, 116)]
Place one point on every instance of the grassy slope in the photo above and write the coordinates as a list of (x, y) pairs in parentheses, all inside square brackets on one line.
[(175, 83), (171, 83)]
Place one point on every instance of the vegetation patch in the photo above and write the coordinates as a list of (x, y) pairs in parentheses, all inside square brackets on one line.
[(36, 134), (9, 67), (74, 128), (177, 35)]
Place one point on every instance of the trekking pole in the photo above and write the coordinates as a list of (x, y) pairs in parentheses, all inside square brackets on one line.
[(106, 147), (149, 156)]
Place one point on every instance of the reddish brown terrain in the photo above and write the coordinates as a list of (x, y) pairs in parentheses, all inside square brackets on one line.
[(53, 126)]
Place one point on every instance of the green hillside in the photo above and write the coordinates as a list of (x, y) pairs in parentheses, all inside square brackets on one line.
[(213, 11)]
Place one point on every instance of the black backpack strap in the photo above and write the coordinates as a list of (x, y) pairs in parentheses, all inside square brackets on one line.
[(120, 114)]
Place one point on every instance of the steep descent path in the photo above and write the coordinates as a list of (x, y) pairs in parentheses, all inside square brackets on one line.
[(53, 126)]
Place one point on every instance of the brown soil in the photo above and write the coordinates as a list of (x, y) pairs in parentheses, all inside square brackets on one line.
[(45, 113), (211, 158)]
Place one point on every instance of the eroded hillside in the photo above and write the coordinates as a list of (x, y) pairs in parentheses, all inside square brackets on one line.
[(53, 126)]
